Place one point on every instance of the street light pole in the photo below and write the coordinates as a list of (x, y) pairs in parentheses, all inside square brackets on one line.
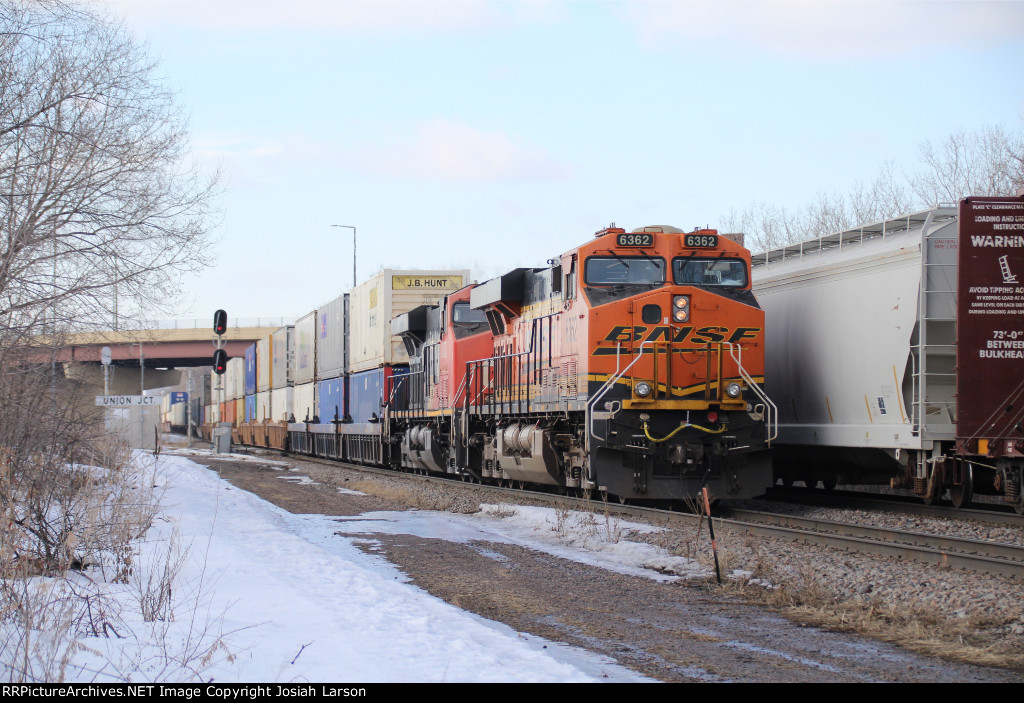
[(353, 251)]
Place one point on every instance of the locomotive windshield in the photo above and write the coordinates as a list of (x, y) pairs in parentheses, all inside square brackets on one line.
[(461, 312), (466, 321), (709, 272), (620, 270)]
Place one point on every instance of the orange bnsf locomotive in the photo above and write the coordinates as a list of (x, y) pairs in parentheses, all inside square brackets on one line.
[(630, 366)]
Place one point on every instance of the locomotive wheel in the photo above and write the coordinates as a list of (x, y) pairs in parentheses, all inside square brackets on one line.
[(961, 495), (787, 481), (829, 484)]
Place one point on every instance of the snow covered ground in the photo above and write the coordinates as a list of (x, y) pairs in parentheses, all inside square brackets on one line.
[(284, 598)]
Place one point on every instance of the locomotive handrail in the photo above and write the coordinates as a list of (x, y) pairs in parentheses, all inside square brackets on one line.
[(490, 361), (612, 380), (771, 410)]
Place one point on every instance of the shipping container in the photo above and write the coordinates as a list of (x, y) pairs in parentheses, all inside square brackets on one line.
[(384, 296), (304, 407), (304, 358), (332, 339), (365, 391), (332, 398), (234, 379), (250, 407), (281, 403), (282, 347), (263, 408), (264, 365), (250, 369)]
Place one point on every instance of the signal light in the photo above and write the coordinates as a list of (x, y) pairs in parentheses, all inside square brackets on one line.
[(220, 322), (220, 361)]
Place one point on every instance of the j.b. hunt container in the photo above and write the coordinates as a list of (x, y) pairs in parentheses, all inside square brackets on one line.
[(387, 294)]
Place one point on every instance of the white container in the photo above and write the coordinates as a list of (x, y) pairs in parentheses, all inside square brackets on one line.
[(281, 403), (304, 402), (384, 296), (331, 343), (177, 416), (304, 359), (263, 409), (264, 365), (281, 344), (234, 379)]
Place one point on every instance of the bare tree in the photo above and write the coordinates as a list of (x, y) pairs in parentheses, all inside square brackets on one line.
[(96, 193), (988, 161)]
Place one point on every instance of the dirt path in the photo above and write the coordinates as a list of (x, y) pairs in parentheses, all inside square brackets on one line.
[(678, 632)]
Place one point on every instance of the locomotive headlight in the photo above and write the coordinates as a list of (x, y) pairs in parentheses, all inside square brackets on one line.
[(733, 390), (643, 389), (681, 308)]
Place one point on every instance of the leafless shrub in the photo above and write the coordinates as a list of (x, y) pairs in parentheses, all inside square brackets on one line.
[(502, 510), (153, 583)]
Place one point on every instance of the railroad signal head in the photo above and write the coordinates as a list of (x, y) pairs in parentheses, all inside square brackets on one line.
[(220, 322), (220, 361)]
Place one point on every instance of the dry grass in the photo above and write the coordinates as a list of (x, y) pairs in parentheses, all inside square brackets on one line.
[(803, 597)]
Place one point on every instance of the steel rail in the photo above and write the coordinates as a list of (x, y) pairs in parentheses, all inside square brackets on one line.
[(997, 514), (978, 555)]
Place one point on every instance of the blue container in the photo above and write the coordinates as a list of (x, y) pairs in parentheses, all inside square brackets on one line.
[(332, 399), (250, 371), (250, 408), (366, 392)]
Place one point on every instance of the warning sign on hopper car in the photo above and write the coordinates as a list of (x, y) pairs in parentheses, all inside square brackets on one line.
[(990, 312)]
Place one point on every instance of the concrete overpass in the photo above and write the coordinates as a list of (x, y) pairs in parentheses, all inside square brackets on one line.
[(160, 348), (164, 353)]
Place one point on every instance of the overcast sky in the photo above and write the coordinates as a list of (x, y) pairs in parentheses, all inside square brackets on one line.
[(490, 135)]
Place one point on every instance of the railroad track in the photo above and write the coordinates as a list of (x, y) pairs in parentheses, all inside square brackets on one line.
[(975, 555), (995, 513)]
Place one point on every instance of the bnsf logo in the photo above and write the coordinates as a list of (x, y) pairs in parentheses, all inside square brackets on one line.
[(703, 335)]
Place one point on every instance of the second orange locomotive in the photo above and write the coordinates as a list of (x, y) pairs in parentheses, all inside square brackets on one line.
[(628, 366)]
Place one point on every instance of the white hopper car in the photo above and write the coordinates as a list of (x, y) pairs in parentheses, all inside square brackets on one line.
[(895, 352)]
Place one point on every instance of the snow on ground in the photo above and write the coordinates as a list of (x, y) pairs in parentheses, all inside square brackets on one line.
[(285, 599), (584, 537)]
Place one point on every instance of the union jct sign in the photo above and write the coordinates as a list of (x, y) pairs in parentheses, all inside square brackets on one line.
[(123, 401)]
